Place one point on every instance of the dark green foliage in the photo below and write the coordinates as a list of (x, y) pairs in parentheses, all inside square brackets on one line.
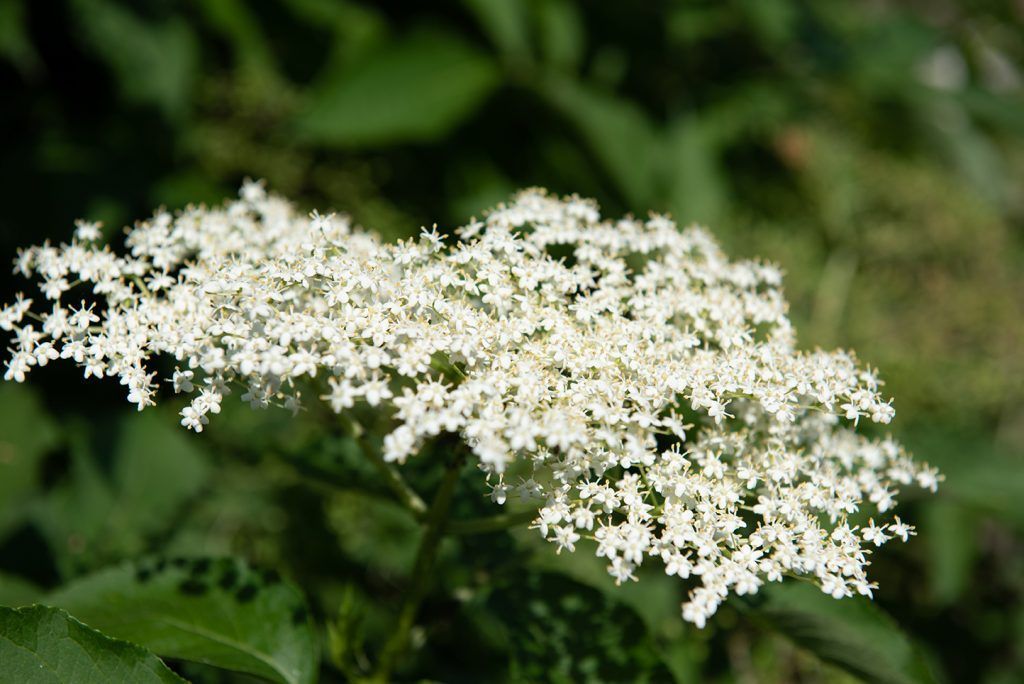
[(854, 634), (560, 631), (215, 611)]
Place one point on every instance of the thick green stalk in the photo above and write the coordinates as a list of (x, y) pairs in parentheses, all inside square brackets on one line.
[(433, 532)]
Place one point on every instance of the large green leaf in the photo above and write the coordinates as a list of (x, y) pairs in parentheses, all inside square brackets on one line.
[(215, 611), (414, 89), (41, 645), (656, 599), (851, 633)]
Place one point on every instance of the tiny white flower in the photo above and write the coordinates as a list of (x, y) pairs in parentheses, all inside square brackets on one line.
[(574, 373)]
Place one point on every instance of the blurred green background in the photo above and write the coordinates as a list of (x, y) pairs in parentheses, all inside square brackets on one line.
[(874, 149)]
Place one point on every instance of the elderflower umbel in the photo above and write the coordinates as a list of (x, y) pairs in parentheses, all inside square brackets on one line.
[(648, 386)]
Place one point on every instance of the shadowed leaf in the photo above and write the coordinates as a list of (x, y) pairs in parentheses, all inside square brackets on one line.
[(41, 645), (215, 611)]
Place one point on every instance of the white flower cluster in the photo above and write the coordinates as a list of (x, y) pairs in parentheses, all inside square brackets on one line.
[(646, 388)]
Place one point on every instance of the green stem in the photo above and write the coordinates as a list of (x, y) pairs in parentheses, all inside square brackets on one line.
[(401, 489), (493, 523), (426, 554)]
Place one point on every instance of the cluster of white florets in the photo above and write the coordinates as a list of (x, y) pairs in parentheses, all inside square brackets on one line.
[(645, 388)]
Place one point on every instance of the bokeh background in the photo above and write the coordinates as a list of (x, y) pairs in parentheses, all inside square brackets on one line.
[(874, 149)]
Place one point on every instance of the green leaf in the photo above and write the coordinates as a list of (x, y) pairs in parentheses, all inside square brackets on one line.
[(851, 633), (978, 157), (27, 432), (72, 515), (561, 34), (948, 531), (15, 45), (237, 24), (560, 630), (214, 611), (46, 645), (154, 63), (481, 185), (772, 20), (897, 47), (616, 130), (157, 467), (506, 23), (697, 188), (1000, 110), (356, 29), (655, 599), (374, 531), (112, 507), (410, 90), (980, 474)]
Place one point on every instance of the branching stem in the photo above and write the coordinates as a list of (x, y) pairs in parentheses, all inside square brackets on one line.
[(407, 496), (426, 554)]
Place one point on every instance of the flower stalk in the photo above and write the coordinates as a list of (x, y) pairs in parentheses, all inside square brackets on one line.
[(426, 555), (405, 494)]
